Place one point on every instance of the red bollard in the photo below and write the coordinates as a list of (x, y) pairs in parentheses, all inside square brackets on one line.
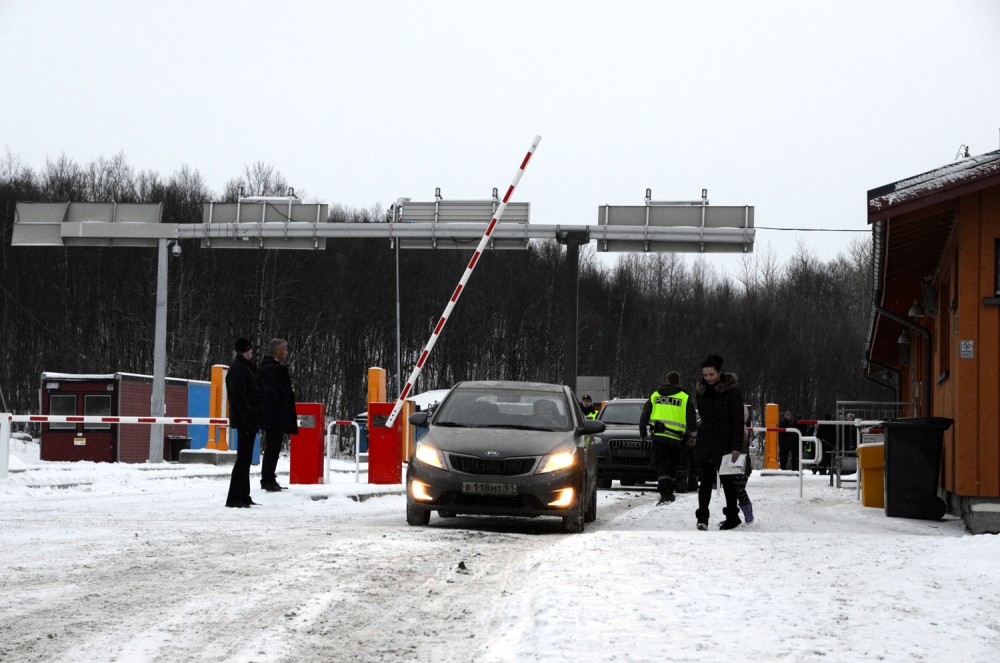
[(306, 448)]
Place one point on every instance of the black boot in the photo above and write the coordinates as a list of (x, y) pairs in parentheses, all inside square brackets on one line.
[(702, 516), (666, 487), (732, 518)]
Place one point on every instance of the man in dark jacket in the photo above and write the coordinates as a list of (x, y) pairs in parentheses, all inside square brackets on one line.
[(279, 410), (827, 433), (246, 417), (720, 433), (670, 413), (788, 443)]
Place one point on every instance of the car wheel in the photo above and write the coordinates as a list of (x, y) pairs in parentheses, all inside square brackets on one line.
[(590, 512), (603, 482), (446, 514), (416, 517)]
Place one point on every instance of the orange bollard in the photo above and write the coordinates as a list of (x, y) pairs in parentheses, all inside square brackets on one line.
[(218, 408), (771, 437), (376, 385)]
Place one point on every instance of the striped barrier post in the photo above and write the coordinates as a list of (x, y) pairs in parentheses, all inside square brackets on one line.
[(461, 285)]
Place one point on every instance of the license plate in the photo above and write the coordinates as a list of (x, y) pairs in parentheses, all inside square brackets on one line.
[(484, 488)]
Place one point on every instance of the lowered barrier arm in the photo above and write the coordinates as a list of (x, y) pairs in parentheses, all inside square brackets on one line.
[(6, 419)]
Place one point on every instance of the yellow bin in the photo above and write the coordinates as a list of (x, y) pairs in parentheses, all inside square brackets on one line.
[(871, 461)]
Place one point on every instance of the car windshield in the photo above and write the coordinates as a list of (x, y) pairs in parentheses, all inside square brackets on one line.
[(623, 414), (484, 407)]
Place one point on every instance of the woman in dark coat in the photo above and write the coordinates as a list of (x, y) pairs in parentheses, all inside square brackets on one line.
[(246, 416), (720, 432)]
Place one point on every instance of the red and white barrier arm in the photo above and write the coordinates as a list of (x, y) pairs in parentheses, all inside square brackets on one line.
[(69, 419), (461, 284), (7, 419)]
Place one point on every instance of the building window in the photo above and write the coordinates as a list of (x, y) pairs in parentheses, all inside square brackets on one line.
[(996, 267), (63, 405), (97, 406), (944, 333)]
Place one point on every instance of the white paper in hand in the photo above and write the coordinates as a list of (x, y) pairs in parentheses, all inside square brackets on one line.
[(729, 467)]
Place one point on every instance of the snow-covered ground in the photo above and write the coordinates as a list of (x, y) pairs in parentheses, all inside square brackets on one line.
[(112, 562)]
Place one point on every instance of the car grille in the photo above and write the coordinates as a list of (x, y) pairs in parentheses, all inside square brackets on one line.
[(633, 452), (503, 467)]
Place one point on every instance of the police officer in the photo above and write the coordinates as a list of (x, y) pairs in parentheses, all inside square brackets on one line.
[(588, 408), (670, 416)]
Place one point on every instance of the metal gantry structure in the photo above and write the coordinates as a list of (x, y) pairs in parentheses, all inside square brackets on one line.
[(286, 223)]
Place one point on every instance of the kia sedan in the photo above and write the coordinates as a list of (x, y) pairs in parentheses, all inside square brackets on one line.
[(505, 449)]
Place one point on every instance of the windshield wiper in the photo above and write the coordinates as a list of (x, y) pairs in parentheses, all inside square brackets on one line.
[(522, 427), (450, 424)]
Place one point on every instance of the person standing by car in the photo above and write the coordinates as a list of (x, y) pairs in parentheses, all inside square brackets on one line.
[(669, 414), (246, 417), (720, 433), (279, 410), (589, 410)]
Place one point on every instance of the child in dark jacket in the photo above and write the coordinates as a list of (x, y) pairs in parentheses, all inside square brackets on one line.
[(746, 506)]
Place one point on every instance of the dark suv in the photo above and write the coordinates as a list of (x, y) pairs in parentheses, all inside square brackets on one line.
[(623, 455)]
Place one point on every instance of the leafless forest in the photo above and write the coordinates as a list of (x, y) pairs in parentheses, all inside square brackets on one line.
[(792, 329)]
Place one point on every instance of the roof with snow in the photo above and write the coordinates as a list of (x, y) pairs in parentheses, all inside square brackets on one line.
[(948, 182)]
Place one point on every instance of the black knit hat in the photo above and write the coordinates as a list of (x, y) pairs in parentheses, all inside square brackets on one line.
[(242, 345)]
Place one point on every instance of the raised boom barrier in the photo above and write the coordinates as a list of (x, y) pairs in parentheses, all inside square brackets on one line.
[(461, 285)]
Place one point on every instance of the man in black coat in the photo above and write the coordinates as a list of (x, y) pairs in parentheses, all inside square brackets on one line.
[(279, 409), (788, 443), (246, 417)]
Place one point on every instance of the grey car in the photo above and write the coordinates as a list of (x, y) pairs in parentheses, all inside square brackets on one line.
[(623, 455), (507, 449)]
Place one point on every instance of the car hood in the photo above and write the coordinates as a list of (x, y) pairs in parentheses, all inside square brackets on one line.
[(507, 443)]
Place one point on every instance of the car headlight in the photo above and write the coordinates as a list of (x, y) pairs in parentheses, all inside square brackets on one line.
[(558, 461), (429, 455)]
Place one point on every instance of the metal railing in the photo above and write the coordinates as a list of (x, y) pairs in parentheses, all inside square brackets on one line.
[(357, 449), (817, 446)]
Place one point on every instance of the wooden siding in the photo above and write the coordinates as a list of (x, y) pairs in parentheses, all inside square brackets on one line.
[(972, 454)]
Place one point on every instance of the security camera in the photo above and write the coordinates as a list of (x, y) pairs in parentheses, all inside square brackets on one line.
[(175, 249)]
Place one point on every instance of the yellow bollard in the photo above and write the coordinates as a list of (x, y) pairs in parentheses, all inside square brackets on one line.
[(218, 408), (771, 437)]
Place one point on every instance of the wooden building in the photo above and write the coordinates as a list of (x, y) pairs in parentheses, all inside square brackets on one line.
[(935, 317)]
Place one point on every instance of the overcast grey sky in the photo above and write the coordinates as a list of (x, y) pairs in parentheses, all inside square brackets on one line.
[(797, 108)]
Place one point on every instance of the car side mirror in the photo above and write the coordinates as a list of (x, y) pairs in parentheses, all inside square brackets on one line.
[(593, 427), (419, 419)]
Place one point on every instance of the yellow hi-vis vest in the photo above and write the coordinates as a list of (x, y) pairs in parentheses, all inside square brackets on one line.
[(671, 411)]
